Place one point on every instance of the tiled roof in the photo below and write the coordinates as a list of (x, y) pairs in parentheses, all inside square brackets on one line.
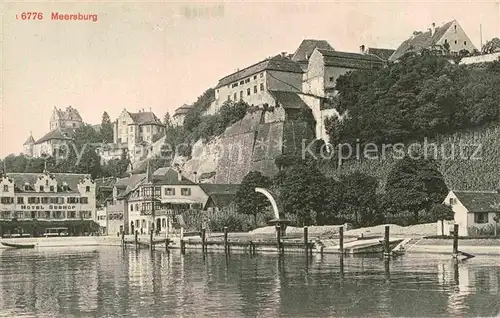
[(288, 100), (183, 109), (169, 176), (71, 179), (307, 47), (276, 63), (222, 195), (129, 183), (145, 118), (479, 201), (384, 54), (58, 133), (30, 140), (69, 113), (420, 40), (351, 60)]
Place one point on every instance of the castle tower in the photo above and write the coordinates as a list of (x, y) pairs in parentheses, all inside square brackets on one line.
[(28, 146)]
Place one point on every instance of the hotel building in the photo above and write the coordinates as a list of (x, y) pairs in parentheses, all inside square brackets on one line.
[(47, 196)]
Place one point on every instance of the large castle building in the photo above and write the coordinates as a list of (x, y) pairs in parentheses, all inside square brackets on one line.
[(62, 126)]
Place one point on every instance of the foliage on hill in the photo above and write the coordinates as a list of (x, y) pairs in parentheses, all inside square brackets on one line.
[(421, 96)]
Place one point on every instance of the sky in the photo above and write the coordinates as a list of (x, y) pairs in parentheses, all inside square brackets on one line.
[(160, 55)]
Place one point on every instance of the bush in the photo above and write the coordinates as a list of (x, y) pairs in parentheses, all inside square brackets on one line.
[(488, 230)]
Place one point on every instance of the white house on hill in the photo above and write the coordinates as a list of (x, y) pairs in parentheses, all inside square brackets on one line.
[(473, 209)]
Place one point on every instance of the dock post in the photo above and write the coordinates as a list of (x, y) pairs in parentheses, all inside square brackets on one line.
[(203, 238), (225, 240), (278, 237), (341, 240), (455, 240), (306, 240), (387, 252), (136, 238), (151, 239), (123, 238), (182, 243)]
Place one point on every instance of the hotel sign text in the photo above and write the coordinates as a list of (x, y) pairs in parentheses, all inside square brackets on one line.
[(38, 207)]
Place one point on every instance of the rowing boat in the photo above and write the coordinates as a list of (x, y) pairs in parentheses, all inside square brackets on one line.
[(17, 245)]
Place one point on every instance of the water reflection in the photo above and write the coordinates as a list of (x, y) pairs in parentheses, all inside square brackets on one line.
[(115, 282)]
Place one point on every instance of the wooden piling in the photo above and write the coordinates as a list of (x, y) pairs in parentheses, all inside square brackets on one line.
[(182, 243), (387, 251), (203, 240), (136, 239), (278, 237), (123, 238), (251, 248), (225, 240), (151, 239), (341, 240), (306, 240), (455, 240)]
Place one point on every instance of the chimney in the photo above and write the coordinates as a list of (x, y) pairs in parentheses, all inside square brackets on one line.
[(433, 28), (362, 49), (283, 54)]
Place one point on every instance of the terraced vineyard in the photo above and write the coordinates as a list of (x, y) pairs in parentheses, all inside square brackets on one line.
[(468, 161)]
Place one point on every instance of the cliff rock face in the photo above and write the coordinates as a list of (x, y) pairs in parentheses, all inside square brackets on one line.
[(252, 144)]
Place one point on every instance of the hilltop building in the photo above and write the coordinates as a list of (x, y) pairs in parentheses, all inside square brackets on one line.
[(47, 196), (449, 38), (180, 114), (253, 83), (62, 127)]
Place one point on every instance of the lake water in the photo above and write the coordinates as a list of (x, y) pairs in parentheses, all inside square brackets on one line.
[(110, 282)]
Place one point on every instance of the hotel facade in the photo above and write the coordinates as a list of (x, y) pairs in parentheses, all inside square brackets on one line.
[(47, 196)]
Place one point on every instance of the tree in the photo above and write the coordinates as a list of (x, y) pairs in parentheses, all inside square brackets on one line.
[(247, 200), (303, 190), (106, 129), (359, 198), (414, 185), (491, 46), (167, 120)]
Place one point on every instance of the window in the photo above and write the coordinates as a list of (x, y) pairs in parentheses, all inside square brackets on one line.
[(455, 27), (255, 77), (255, 89), (169, 191), (84, 200), (445, 41), (331, 78), (185, 191), (72, 200), (247, 80), (5, 188), (51, 188), (33, 200), (465, 42), (234, 85), (261, 75), (131, 207), (137, 206), (242, 82), (7, 200), (26, 187), (235, 96), (261, 87), (45, 200), (248, 91), (241, 94), (228, 98), (41, 188), (87, 189), (47, 183), (456, 41), (481, 218), (20, 200), (453, 201)]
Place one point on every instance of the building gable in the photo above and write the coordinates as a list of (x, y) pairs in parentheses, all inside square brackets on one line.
[(453, 33)]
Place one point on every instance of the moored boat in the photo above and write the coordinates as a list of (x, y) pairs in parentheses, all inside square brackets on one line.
[(17, 245)]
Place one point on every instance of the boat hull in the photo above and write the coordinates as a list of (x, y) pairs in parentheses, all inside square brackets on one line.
[(18, 246)]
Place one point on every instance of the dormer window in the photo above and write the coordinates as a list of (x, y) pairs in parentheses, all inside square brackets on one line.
[(41, 188), (51, 188), (26, 187), (5, 188), (87, 189)]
